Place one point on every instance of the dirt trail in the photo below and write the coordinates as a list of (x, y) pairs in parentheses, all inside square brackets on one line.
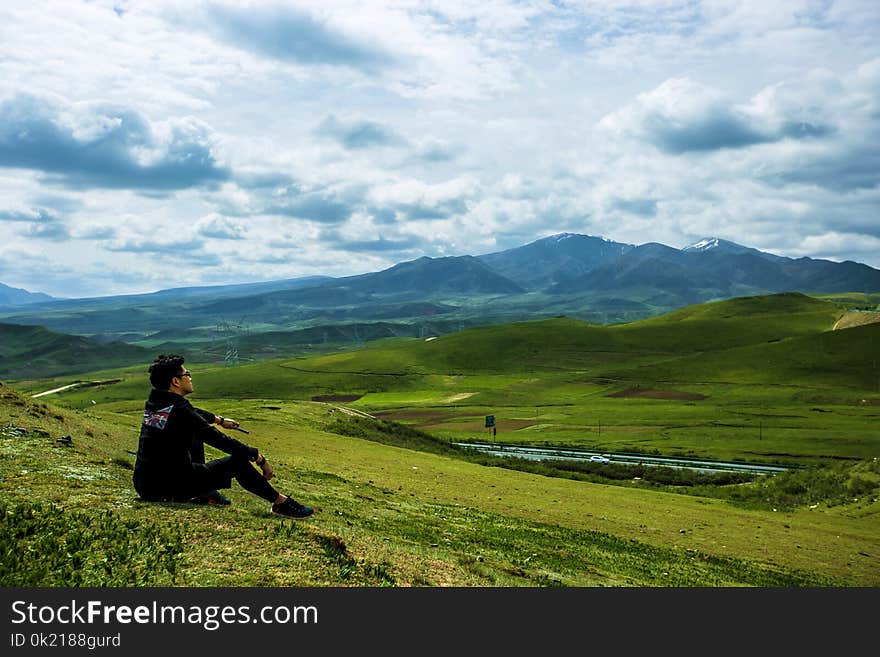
[(61, 389), (459, 397), (77, 384), (351, 411)]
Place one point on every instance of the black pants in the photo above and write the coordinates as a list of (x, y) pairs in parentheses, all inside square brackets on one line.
[(219, 473)]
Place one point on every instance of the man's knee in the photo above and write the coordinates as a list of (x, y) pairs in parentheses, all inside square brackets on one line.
[(241, 459), (238, 463)]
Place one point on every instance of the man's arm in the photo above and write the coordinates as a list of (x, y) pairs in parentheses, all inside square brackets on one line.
[(201, 423), (216, 438), (211, 418)]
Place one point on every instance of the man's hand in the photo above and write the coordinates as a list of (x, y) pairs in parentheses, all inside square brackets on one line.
[(229, 423), (268, 472)]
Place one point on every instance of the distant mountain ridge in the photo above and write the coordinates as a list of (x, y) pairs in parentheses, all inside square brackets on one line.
[(426, 275), (14, 296), (554, 259), (716, 269), (32, 352), (193, 293), (581, 276), (718, 245), (559, 264)]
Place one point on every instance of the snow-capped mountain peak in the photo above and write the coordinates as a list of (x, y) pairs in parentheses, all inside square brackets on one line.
[(705, 244), (718, 245)]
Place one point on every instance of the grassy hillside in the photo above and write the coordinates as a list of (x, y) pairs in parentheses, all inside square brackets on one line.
[(841, 359), (860, 300), (32, 352), (36, 352), (398, 508), (564, 343), (857, 318), (754, 379), (760, 379), (386, 516)]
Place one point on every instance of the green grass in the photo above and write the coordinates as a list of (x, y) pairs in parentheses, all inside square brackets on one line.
[(388, 516), (771, 383), (46, 545), (398, 506), (36, 351)]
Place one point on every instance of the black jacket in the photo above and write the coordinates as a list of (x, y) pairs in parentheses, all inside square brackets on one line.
[(168, 429)]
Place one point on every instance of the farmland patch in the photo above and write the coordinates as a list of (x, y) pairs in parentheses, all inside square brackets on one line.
[(478, 425), (856, 318), (643, 393), (336, 398), (407, 416)]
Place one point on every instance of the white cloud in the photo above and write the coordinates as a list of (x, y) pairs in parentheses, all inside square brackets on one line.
[(219, 227), (837, 246), (347, 136), (101, 145)]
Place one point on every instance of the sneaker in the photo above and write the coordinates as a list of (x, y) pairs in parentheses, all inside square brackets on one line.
[(290, 508), (214, 497)]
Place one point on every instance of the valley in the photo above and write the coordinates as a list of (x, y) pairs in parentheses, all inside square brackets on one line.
[(578, 276), (368, 437)]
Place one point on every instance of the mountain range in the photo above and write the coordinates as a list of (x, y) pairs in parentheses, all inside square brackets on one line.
[(581, 276), (15, 296)]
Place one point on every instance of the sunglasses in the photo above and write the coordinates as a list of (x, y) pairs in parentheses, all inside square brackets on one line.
[(185, 373)]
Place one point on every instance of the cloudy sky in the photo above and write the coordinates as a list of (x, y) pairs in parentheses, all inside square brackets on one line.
[(150, 144)]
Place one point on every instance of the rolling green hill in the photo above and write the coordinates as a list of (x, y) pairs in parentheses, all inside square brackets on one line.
[(564, 344), (33, 352), (36, 352), (765, 339), (755, 379), (388, 516), (842, 359), (758, 378)]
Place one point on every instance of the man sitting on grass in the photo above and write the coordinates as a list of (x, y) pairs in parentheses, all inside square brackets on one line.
[(170, 463)]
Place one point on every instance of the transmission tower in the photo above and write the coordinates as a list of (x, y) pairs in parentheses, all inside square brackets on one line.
[(231, 332)]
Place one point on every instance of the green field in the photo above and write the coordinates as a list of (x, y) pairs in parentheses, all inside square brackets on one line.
[(761, 379)]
